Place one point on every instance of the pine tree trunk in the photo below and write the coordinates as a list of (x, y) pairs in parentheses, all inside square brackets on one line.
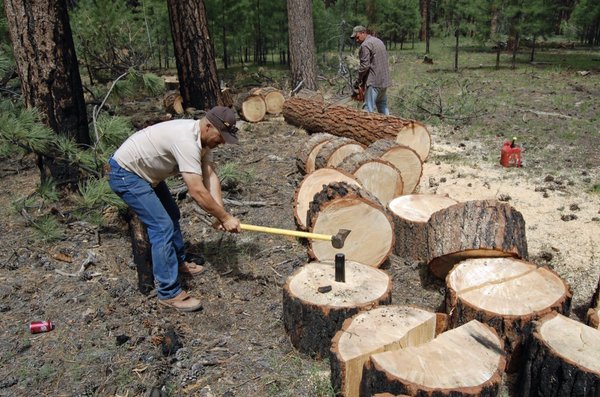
[(302, 43)]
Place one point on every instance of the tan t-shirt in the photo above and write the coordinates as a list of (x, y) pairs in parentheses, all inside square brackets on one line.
[(163, 150)]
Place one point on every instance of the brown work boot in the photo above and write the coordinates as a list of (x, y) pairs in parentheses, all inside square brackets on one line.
[(191, 269), (182, 302)]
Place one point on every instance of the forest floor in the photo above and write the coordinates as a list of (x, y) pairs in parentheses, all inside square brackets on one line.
[(111, 340)]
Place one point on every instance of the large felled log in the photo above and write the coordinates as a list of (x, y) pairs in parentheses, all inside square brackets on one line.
[(465, 361), (384, 328), (305, 160), (562, 359), (593, 313), (479, 228), (506, 293), (335, 151), (411, 215), (273, 98), (343, 206), (366, 128), (311, 318), (251, 107), (312, 184), (403, 157), (377, 175)]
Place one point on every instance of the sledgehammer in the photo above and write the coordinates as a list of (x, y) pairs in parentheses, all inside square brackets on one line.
[(337, 240)]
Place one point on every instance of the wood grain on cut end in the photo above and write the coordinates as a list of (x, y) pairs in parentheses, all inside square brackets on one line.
[(416, 136)]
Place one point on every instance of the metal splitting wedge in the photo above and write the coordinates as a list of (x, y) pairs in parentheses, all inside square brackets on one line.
[(337, 240)]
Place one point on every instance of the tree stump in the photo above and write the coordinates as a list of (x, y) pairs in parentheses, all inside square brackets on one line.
[(312, 184), (343, 206), (384, 328), (378, 176), (273, 98), (251, 108), (142, 254), (403, 158), (173, 103), (227, 98), (562, 359), (593, 313), (335, 151), (479, 228), (465, 361), (411, 215), (309, 151), (311, 318), (507, 294), (366, 128)]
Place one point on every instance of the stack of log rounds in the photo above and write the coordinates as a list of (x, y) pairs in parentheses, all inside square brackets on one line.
[(381, 329), (562, 359), (593, 313), (308, 154), (311, 318), (273, 98), (335, 151), (251, 108), (366, 128), (411, 214), (402, 157), (378, 176), (312, 184), (506, 293), (465, 361), (343, 206)]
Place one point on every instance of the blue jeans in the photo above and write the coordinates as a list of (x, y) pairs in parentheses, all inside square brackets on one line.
[(376, 98), (159, 212)]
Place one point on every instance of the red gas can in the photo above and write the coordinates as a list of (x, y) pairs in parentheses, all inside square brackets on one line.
[(510, 155)]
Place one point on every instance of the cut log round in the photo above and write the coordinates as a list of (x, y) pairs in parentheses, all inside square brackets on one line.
[(593, 313), (363, 127), (403, 158), (411, 215), (343, 206), (312, 184), (311, 318), (250, 107), (384, 328), (273, 98), (507, 294), (378, 176), (472, 229), (562, 359), (307, 155), (465, 361), (335, 151), (173, 103)]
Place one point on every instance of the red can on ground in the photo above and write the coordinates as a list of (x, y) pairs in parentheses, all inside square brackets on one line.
[(36, 327)]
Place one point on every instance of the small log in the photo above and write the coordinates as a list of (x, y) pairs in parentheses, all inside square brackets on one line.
[(465, 361), (171, 82), (366, 128), (273, 98), (402, 157), (305, 160), (562, 359), (384, 328), (312, 184), (142, 255), (343, 206), (411, 215), (173, 103), (227, 97), (474, 229), (311, 318), (507, 294), (251, 108), (378, 176), (593, 313), (335, 151)]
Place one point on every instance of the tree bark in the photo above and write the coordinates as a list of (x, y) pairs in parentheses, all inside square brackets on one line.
[(366, 128), (142, 255), (335, 151), (303, 52), (593, 313), (194, 54), (309, 151), (311, 318)]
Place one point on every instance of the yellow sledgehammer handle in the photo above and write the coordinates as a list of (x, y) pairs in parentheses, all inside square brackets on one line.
[(285, 232)]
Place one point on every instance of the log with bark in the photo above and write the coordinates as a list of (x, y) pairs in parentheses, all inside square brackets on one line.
[(411, 215), (377, 175), (142, 255), (312, 184), (273, 98), (315, 305), (403, 157), (366, 128), (305, 160), (343, 206), (173, 102), (227, 97), (562, 359), (593, 313), (335, 151), (384, 328), (465, 361), (506, 293), (250, 107)]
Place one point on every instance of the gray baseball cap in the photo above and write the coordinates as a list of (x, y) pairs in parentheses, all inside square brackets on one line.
[(358, 28)]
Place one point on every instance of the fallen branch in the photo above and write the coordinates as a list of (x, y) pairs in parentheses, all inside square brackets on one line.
[(552, 114), (91, 258)]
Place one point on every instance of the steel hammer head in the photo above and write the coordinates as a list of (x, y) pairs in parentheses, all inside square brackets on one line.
[(338, 239)]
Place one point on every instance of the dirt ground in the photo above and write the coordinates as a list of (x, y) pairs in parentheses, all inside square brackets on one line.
[(111, 340)]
